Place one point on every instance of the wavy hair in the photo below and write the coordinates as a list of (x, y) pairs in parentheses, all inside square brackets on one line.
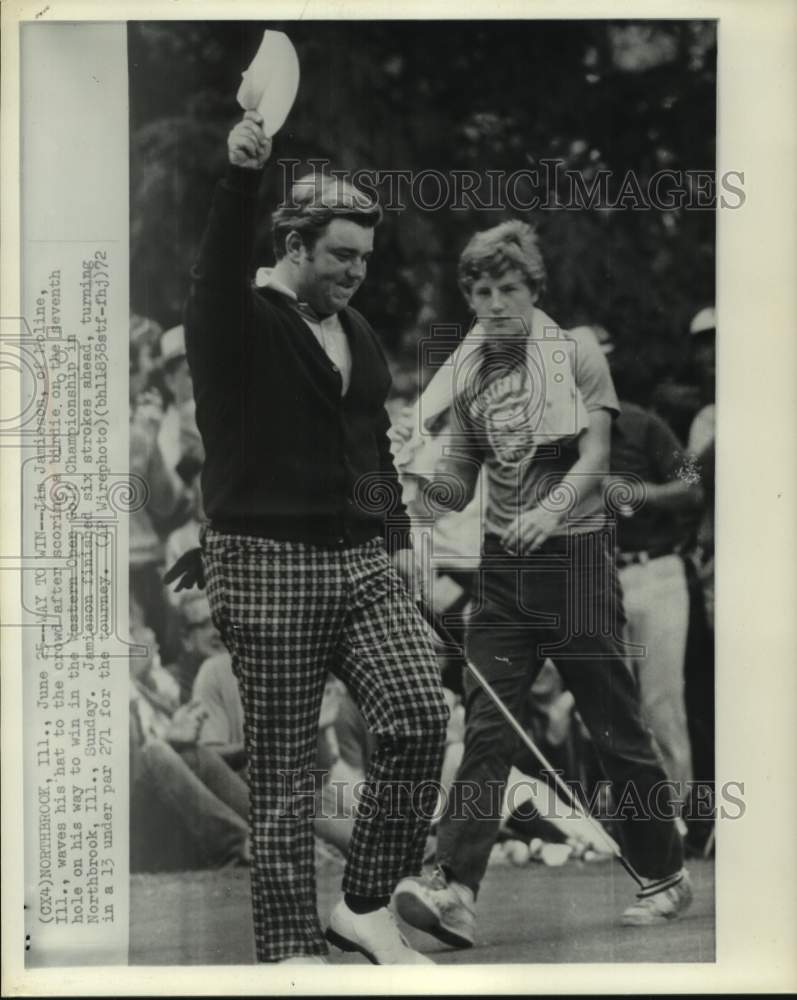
[(494, 251), (314, 201)]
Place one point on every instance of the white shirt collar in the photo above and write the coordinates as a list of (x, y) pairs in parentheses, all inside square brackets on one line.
[(264, 278)]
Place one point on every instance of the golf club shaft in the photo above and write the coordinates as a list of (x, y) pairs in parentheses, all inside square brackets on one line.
[(562, 786)]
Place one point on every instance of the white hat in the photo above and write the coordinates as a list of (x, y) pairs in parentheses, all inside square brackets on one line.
[(271, 81), (172, 344), (703, 321)]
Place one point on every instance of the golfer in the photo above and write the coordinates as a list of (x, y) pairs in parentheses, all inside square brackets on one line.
[(535, 415), (306, 554)]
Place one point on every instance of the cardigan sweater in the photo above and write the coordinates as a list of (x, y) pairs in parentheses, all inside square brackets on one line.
[(287, 456)]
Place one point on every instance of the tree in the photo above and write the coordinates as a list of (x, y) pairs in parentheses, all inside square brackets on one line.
[(627, 98)]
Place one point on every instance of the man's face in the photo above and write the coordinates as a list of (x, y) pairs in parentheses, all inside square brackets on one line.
[(335, 268), (501, 303)]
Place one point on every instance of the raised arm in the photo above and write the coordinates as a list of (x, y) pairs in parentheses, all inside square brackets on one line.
[(220, 279)]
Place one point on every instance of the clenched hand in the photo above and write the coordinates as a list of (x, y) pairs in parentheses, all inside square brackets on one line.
[(247, 144)]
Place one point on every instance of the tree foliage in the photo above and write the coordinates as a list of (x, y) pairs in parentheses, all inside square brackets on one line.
[(448, 96)]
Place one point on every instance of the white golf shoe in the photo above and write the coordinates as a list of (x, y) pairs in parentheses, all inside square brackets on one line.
[(665, 905), (444, 910), (375, 935)]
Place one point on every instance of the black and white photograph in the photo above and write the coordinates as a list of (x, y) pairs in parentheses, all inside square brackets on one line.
[(368, 617), (569, 228)]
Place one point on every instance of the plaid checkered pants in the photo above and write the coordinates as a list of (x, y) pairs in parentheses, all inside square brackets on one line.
[(290, 613)]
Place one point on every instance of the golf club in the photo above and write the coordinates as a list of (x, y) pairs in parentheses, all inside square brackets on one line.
[(645, 888)]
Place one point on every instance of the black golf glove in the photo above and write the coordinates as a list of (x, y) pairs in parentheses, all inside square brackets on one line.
[(188, 571)]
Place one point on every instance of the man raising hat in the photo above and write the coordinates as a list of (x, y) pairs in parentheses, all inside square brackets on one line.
[(307, 555)]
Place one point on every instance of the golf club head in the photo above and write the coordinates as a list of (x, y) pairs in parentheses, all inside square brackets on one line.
[(660, 885)]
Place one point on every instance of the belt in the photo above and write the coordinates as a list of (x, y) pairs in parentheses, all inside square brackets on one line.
[(553, 545), (642, 557)]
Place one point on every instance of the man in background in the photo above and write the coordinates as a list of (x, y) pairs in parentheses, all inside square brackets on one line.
[(654, 487), (700, 656), (199, 639)]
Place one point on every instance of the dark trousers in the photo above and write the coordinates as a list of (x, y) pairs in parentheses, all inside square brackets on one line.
[(563, 602)]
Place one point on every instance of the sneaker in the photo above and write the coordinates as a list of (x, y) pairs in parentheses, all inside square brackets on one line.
[(375, 935), (665, 905), (432, 905)]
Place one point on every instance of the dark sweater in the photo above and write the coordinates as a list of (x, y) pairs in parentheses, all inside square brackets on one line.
[(286, 456), (644, 446)]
